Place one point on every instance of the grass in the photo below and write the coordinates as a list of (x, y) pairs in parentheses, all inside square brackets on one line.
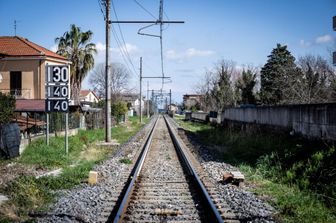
[(293, 205), (125, 161), (28, 194), (289, 170)]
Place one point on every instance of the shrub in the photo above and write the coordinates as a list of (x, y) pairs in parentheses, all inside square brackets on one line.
[(119, 109), (7, 107)]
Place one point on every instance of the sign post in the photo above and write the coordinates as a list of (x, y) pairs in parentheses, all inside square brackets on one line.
[(57, 95)]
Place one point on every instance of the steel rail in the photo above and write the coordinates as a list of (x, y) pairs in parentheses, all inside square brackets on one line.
[(216, 217), (116, 215)]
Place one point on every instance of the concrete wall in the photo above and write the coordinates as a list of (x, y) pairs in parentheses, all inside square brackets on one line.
[(314, 120)]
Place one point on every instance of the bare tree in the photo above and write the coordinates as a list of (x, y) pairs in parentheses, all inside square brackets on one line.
[(313, 82), (204, 88), (119, 80), (217, 86)]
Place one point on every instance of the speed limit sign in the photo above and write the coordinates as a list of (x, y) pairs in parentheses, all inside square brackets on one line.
[(57, 88)]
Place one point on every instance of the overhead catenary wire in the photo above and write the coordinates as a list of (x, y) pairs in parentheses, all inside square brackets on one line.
[(122, 51), (123, 40), (141, 6), (100, 3)]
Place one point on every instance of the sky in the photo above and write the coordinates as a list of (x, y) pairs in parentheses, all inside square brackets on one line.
[(244, 31)]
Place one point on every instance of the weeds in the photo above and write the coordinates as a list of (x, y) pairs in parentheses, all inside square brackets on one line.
[(28, 194), (125, 161), (298, 174)]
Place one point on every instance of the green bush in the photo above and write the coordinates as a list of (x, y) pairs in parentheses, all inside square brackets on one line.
[(7, 108), (119, 109)]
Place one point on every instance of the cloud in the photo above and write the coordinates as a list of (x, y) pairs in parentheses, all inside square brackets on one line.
[(317, 41), (305, 43), (118, 54), (54, 48), (130, 48), (185, 70), (188, 53), (323, 39)]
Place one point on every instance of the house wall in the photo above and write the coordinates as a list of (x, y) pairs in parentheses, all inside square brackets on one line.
[(91, 98), (33, 75), (29, 69)]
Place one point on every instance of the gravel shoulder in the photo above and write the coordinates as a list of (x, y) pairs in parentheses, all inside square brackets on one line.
[(246, 206)]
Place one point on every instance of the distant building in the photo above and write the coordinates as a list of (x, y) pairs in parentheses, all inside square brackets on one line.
[(192, 100), (173, 108), (22, 67), (88, 97), (133, 102)]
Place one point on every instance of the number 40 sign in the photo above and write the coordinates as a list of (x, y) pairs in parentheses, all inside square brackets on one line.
[(57, 88)]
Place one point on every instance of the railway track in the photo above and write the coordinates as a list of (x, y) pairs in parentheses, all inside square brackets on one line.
[(167, 185)]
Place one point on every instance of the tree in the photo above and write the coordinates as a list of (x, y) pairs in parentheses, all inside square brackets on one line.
[(205, 88), (7, 108), (277, 74), (245, 84), (223, 92), (119, 109), (314, 83), (75, 46), (118, 82)]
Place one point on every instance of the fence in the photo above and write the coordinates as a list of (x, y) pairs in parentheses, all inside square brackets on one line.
[(311, 120)]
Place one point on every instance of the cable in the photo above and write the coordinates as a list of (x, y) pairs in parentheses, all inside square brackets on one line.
[(100, 3), (123, 40), (122, 51), (145, 9)]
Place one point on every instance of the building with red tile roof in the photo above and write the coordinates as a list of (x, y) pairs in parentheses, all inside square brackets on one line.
[(22, 68), (88, 96), (15, 46)]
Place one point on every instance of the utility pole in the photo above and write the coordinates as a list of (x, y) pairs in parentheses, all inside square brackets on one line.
[(334, 27), (107, 77), (147, 100), (140, 89), (153, 102), (170, 98)]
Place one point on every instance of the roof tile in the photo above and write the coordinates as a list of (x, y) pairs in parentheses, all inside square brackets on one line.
[(15, 46)]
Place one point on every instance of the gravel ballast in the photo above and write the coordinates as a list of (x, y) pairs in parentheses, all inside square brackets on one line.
[(246, 206), (87, 203)]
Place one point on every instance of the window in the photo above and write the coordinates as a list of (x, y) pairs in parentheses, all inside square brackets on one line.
[(16, 83)]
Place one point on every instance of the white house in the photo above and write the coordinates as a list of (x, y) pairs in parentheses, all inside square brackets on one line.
[(88, 96)]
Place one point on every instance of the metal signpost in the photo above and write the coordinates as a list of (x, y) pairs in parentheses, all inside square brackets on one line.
[(57, 95)]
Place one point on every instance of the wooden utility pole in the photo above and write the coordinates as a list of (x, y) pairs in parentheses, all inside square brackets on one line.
[(140, 89), (107, 77)]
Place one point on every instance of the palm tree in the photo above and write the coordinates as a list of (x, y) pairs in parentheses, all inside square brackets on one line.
[(75, 46)]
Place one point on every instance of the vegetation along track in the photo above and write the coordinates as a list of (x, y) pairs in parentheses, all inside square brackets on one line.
[(165, 187)]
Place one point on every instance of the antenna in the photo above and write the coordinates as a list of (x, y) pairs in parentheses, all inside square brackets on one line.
[(15, 25)]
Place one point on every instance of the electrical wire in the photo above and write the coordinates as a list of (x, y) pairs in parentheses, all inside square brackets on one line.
[(121, 48), (141, 6), (123, 40), (100, 3)]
